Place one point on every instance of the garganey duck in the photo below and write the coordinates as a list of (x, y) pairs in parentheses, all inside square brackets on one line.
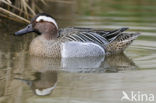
[(74, 41)]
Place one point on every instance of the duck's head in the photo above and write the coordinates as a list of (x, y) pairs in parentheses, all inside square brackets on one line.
[(41, 24)]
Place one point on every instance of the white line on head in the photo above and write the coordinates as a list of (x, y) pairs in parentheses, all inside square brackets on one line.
[(45, 18)]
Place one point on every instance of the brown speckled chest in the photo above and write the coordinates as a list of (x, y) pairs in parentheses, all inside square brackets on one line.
[(46, 48)]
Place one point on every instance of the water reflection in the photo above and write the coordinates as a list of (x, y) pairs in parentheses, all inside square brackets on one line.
[(88, 64), (45, 70), (44, 83), (83, 65)]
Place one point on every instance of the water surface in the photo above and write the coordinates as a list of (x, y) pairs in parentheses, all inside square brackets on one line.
[(85, 80)]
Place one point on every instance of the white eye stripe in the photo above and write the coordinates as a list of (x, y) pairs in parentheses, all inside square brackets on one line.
[(45, 18)]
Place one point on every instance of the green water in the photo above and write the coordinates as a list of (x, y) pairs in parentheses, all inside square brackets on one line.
[(85, 80)]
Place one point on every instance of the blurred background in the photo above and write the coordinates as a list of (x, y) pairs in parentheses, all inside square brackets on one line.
[(20, 74)]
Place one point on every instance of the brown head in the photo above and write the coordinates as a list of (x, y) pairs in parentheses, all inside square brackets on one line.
[(41, 24)]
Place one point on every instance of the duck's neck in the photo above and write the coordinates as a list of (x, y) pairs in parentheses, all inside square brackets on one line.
[(49, 30), (50, 36)]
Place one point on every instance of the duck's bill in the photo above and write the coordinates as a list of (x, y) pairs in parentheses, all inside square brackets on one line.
[(27, 29)]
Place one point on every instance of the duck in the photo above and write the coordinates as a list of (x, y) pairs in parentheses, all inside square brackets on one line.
[(74, 41)]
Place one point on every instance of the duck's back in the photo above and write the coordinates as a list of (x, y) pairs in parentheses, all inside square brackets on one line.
[(113, 41)]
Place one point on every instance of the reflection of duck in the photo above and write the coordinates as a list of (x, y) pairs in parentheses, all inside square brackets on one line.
[(44, 83), (87, 64), (46, 69), (118, 62), (74, 42), (44, 64)]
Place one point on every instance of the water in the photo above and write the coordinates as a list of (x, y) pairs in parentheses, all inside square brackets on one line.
[(85, 80)]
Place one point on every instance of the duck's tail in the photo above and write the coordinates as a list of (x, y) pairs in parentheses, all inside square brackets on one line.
[(121, 42)]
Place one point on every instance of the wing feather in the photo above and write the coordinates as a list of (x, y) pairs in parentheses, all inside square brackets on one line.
[(90, 35)]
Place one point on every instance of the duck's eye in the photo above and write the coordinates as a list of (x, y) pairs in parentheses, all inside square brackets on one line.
[(41, 20)]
